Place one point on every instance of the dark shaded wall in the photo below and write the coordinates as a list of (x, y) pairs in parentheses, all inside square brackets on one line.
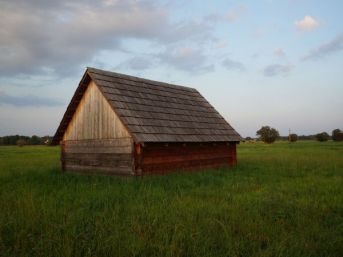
[(161, 158)]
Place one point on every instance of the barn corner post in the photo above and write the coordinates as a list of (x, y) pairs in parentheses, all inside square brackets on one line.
[(233, 150), (138, 159)]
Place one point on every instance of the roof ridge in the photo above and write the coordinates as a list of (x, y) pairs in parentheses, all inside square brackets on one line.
[(139, 79)]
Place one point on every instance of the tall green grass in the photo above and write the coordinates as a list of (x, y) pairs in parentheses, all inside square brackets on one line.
[(281, 200)]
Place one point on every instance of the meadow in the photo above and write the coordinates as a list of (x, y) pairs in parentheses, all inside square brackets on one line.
[(281, 200)]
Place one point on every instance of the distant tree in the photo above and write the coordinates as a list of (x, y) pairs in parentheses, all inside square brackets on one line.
[(34, 140), (248, 138), (337, 135), (21, 142), (293, 138), (267, 134), (308, 137), (321, 137), (12, 140)]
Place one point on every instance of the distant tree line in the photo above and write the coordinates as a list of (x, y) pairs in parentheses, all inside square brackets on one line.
[(268, 135), (25, 140), (291, 137), (337, 135)]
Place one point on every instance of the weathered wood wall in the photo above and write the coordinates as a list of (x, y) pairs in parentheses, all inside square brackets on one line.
[(162, 158), (117, 156), (110, 156), (94, 118), (95, 139)]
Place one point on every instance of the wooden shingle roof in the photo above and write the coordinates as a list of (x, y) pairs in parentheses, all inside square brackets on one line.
[(154, 111)]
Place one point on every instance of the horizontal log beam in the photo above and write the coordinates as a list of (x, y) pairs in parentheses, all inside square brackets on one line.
[(99, 170)]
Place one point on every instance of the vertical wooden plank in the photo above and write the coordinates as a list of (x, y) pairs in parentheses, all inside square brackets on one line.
[(88, 117), (97, 128), (100, 119), (138, 159), (103, 118), (94, 118), (91, 115), (94, 114)]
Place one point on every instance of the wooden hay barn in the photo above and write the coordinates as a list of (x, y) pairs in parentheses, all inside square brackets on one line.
[(119, 124)]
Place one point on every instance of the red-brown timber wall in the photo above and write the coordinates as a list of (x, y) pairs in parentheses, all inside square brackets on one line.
[(162, 158)]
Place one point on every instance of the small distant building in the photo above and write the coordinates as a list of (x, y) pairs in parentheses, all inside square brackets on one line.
[(119, 124)]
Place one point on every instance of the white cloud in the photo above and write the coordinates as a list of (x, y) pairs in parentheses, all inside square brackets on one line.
[(279, 52), (185, 52), (221, 44), (308, 23), (234, 14), (259, 32)]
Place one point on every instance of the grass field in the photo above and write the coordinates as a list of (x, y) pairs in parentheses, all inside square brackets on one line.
[(281, 200)]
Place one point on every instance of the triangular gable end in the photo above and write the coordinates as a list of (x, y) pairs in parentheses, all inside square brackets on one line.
[(94, 118)]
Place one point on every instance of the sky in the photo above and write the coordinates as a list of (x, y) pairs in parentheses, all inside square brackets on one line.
[(266, 62)]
